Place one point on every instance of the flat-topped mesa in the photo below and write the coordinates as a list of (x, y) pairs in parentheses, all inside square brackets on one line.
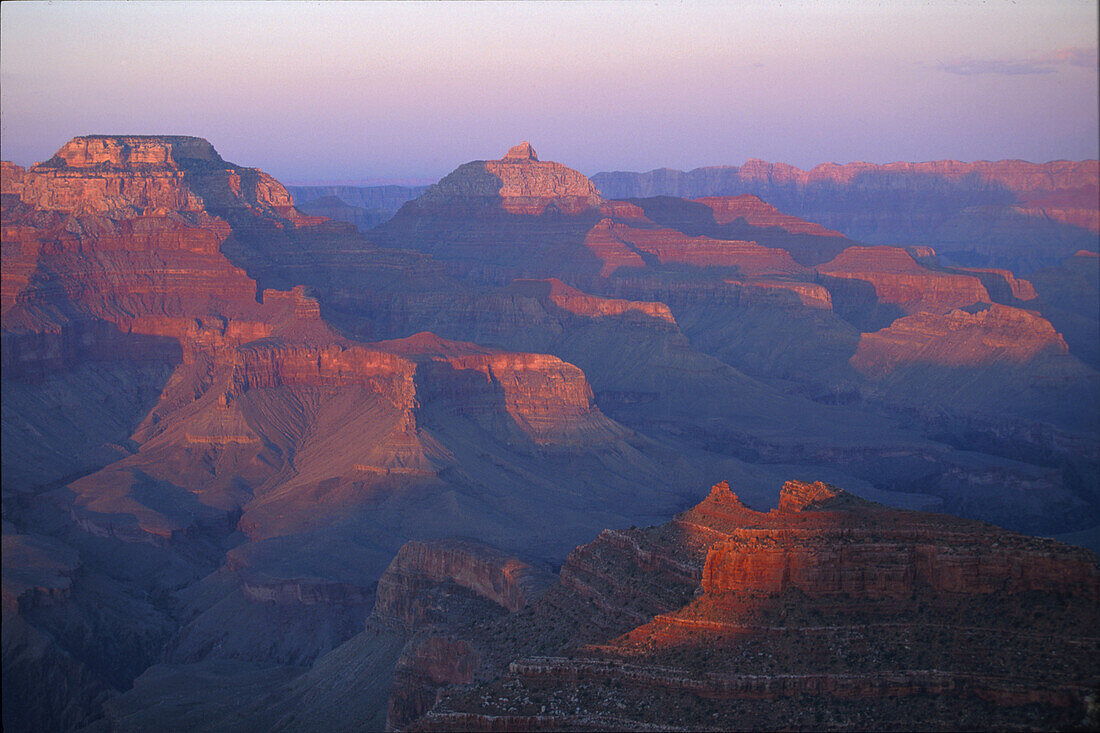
[(518, 183), (532, 397), (124, 151), (996, 334), (127, 176)]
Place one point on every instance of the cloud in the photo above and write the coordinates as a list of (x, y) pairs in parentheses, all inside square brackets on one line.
[(972, 67), (1046, 64), (1085, 57)]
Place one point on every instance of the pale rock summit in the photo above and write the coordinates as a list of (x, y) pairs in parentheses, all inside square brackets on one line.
[(521, 152), (518, 183)]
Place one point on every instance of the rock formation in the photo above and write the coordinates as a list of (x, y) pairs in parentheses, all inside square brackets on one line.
[(1006, 213), (161, 400), (519, 183), (828, 608), (224, 417)]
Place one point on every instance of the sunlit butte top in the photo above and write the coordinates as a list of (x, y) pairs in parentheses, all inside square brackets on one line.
[(521, 152)]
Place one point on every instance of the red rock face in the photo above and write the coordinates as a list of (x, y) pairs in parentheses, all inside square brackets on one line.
[(758, 213), (603, 241), (827, 606), (120, 230), (1002, 285), (518, 183), (546, 399), (823, 553), (668, 246), (998, 333), (574, 301), (113, 249), (897, 279), (120, 175)]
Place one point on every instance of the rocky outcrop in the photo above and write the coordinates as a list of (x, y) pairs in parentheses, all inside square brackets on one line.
[(542, 397), (1002, 285), (614, 253), (125, 175), (820, 554), (776, 293), (960, 338), (758, 213), (668, 246), (889, 276), (589, 306), (827, 607), (487, 572), (435, 591), (519, 183)]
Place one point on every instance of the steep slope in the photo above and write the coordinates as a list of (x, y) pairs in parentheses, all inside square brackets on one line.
[(1069, 296), (787, 304), (224, 429), (501, 219), (828, 611)]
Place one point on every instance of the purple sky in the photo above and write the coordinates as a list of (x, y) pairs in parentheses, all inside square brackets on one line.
[(357, 91)]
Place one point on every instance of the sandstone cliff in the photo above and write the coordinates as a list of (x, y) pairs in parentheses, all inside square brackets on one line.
[(826, 608)]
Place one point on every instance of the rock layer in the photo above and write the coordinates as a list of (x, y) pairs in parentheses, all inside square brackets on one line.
[(828, 607)]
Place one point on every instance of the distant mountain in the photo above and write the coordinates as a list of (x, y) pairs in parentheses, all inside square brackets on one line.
[(1008, 213), (363, 206)]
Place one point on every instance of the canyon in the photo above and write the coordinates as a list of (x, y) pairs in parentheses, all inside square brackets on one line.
[(252, 447), (1004, 213)]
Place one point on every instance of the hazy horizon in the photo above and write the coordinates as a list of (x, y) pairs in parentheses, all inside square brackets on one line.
[(406, 91)]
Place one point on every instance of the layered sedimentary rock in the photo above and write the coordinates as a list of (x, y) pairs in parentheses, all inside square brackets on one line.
[(745, 218), (518, 183), (758, 213), (491, 574), (434, 592), (996, 333), (888, 276), (828, 607), (183, 297), (499, 220), (251, 431), (1009, 212), (668, 246), (582, 304), (121, 176)]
